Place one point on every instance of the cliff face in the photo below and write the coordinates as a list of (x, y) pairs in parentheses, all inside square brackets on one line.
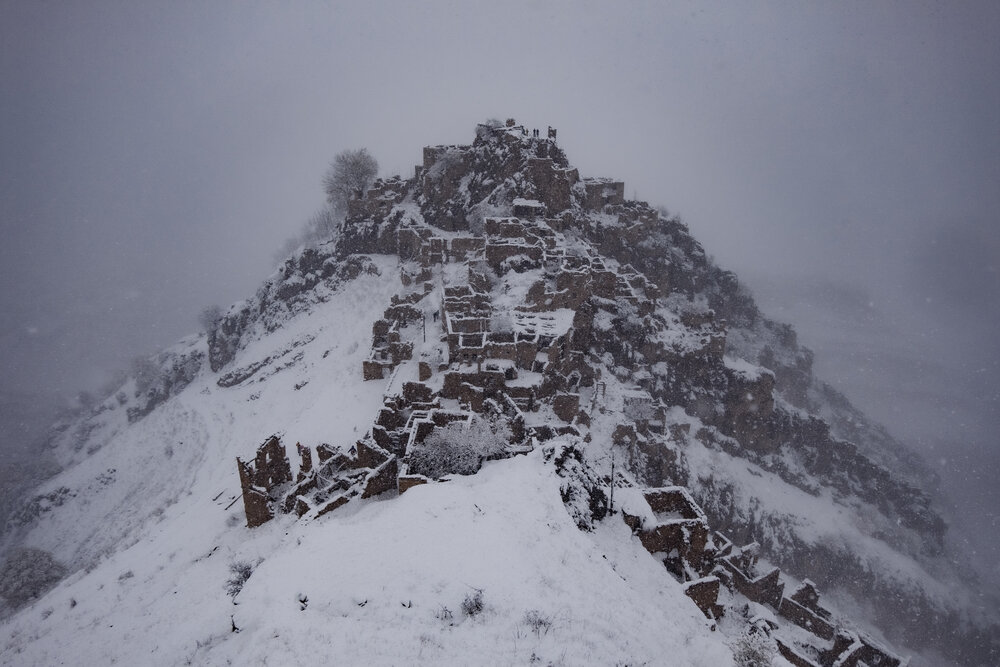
[(499, 285)]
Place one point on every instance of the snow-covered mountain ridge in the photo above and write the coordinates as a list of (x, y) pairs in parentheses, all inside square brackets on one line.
[(494, 287)]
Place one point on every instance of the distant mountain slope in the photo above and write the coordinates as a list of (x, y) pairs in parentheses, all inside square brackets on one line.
[(24, 419)]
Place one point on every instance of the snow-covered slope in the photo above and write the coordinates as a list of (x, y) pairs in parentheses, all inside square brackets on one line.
[(496, 287), (122, 478), (384, 582)]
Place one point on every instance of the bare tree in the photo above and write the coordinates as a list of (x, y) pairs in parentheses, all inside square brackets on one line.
[(350, 173), (209, 317)]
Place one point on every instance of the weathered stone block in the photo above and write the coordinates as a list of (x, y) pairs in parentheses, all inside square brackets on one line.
[(417, 392), (380, 329), (301, 506), (371, 370), (389, 418), (381, 479), (370, 455), (257, 507), (705, 593), (566, 406), (381, 437), (305, 461), (805, 618)]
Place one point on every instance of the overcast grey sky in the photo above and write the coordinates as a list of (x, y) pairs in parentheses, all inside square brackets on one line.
[(842, 157)]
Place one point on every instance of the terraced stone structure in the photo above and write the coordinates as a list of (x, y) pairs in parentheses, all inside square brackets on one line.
[(674, 529), (530, 295)]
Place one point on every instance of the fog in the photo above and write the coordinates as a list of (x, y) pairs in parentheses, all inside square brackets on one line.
[(843, 159)]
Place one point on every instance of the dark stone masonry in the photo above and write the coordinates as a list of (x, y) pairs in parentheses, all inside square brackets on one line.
[(527, 291)]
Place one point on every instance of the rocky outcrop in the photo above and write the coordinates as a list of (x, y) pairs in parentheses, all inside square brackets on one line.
[(304, 279), (161, 377)]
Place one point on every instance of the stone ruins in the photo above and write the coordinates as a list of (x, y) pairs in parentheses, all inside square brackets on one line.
[(674, 529), (518, 313)]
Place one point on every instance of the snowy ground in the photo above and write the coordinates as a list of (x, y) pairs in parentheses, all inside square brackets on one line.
[(378, 582)]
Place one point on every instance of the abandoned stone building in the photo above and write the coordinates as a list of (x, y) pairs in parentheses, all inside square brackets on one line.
[(262, 479), (366, 470)]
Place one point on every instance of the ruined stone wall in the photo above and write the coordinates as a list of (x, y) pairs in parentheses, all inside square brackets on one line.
[(521, 352), (749, 405), (804, 618), (686, 551), (497, 252), (601, 192), (491, 382), (464, 248)]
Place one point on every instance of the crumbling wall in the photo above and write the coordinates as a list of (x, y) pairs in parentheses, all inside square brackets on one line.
[(679, 535), (601, 192), (267, 485), (704, 592), (803, 609), (662, 532), (262, 479)]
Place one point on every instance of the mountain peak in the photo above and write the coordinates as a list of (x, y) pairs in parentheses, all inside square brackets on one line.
[(499, 312)]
